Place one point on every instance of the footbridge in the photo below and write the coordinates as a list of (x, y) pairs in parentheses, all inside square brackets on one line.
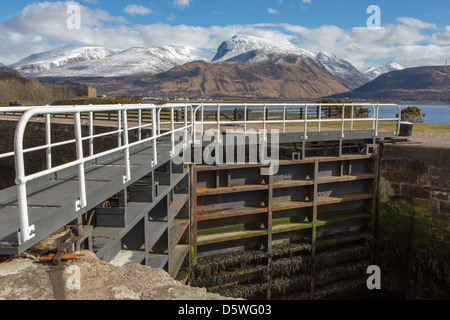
[(126, 181)]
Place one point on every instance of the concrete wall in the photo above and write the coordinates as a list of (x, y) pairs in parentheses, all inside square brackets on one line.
[(412, 229)]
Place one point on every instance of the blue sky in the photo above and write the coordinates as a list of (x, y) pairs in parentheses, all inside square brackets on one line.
[(411, 33)]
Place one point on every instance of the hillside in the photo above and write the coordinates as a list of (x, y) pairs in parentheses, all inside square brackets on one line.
[(288, 78), (421, 84), (7, 73)]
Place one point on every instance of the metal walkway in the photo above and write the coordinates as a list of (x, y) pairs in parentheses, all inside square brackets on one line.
[(141, 196)]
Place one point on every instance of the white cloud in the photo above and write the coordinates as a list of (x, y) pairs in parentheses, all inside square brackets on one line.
[(42, 26), (306, 1), (416, 23), (400, 42), (441, 38), (272, 11), (172, 17), (182, 3), (137, 9)]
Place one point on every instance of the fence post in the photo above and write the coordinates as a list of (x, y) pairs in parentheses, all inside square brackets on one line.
[(81, 174), (185, 126), (48, 140), (140, 125), (119, 127), (155, 151), (306, 122), (172, 128), (320, 117), (91, 133), (127, 176)]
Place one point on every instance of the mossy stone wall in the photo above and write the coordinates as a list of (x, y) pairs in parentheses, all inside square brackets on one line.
[(412, 229)]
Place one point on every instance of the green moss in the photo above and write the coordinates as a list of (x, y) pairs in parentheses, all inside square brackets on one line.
[(404, 224)]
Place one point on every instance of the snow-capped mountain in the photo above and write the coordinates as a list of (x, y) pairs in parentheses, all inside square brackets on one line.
[(343, 69), (243, 44), (107, 62), (103, 62), (243, 48), (44, 61), (375, 71)]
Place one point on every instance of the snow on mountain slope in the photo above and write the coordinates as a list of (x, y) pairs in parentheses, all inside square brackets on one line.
[(105, 62), (109, 62), (375, 71), (60, 57), (242, 44), (242, 49), (342, 68)]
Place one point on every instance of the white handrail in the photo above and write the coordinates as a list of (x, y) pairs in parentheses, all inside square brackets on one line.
[(304, 108), (27, 232)]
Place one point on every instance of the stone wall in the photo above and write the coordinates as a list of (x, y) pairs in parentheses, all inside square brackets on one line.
[(412, 230)]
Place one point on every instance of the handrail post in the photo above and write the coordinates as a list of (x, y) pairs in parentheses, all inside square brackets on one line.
[(127, 176), (172, 127), (374, 116), (320, 117), (264, 117), (218, 140), (191, 107), (351, 122), (48, 140), (91, 133), (158, 117), (140, 125), (82, 202), (155, 151), (399, 120), (376, 121), (26, 232), (119, 127), (343, 121), (284, 118), (306, 122), (203, 119), (245, 118), (185, 126)]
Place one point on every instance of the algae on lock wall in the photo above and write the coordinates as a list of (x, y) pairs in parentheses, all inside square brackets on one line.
[(412, 258)]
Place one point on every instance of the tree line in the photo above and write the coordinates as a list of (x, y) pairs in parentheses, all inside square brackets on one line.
[(33, 92)]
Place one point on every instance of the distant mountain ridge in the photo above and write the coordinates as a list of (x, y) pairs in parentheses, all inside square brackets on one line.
[(106, 62), (375, 71), (430, 83), (242, 67), (44, 61)]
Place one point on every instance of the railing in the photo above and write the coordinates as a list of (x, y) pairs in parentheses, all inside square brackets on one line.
[(124, 145), (163, 121), (289, 114)]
